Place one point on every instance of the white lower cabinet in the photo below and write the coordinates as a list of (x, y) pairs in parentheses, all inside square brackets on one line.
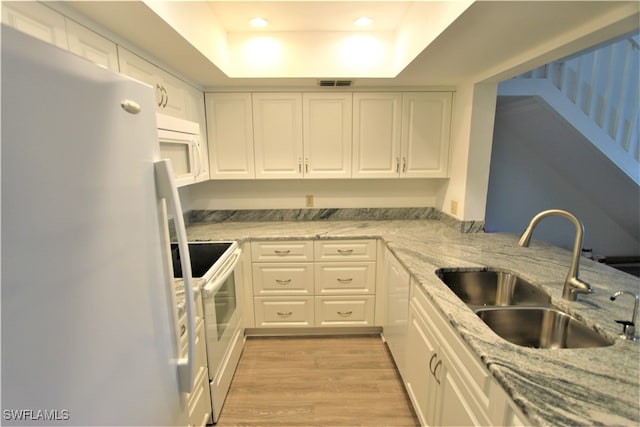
[(288, 312), (345, 310), (396, 317), (305, 283), (446, 384)]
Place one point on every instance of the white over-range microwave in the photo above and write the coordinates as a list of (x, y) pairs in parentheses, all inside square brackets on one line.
[(181, 143)]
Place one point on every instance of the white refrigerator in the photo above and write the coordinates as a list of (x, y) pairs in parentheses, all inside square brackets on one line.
[(87, 305)]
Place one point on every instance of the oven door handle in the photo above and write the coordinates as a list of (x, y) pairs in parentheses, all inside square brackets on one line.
[(223, 273)]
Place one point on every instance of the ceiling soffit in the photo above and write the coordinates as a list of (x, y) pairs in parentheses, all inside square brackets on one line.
[(307, 39)]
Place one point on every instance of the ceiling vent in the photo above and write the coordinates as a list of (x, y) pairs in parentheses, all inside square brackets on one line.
[(335, 83)]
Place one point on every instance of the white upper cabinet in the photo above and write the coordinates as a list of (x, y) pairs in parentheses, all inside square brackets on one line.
[(92, 46), (230, 135), (277, 132), (426, 123), (376, 134), (37, 20), (171, 95), (330, 135), (327, 135)]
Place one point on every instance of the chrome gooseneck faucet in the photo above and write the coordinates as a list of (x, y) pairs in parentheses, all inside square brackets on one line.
[(628, 327), (573, 285)]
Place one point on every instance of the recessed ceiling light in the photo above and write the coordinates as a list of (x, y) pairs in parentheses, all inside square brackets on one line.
[(363, 21), (259, 22)]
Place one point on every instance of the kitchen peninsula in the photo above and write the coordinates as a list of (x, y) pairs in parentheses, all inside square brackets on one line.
[(549, 386)]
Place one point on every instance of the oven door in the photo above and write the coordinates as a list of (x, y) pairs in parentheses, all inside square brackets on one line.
[(223, 330)]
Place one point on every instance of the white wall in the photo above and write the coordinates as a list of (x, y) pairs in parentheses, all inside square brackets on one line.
[(471, 136), (291, 194)]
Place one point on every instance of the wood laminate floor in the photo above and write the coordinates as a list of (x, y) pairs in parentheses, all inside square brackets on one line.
[(317, 381)]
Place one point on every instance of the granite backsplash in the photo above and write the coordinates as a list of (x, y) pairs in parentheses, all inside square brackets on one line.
[(333, 214)]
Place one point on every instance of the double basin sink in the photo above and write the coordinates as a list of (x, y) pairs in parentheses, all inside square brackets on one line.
[(519, 311)]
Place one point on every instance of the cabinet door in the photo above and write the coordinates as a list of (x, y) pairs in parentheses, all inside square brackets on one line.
[(174, 95), (230, 135), (134, 66), (277, 131), (455, 405), (397, 312), (426, 122), (92, 46), (327, 135), (37, 20), (376, 134), (422, 352)]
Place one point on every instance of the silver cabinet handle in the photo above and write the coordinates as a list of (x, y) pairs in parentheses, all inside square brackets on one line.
[(431, 362), (397, 164), (435, 371), (166, 99), (284, 314), (404, 165), (282, 252), (345, 313), (283, 282), (159, 90), (345, 251), (306, 165), (349, 280)]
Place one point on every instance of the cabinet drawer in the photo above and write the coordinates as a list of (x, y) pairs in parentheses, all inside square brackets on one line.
[(200, 401), (282, 279), (339, 278), (284, 311), (345, 311), (345, 250), (278, 251)]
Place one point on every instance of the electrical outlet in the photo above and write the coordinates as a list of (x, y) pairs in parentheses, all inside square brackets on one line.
[(454, 207), (309, 200)]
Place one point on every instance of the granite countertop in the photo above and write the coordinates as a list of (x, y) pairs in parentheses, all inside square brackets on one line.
[(551, 386)]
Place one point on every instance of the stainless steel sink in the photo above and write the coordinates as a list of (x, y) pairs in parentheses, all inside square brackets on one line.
[(540, 327), (494, 288), (519, 311)]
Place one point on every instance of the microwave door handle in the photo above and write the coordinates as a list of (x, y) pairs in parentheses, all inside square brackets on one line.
[(196, 154), (227, 268), (167, 189)]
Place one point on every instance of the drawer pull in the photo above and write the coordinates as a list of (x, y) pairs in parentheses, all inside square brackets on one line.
[(349, 280), (283, 314), (345, 313), (282, 252), (283, 282), (345, 251)]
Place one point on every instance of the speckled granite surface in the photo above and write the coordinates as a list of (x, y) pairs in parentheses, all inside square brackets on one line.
[(552, 386)]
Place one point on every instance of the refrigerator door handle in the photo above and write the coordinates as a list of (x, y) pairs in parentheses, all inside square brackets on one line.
[(168, 190)]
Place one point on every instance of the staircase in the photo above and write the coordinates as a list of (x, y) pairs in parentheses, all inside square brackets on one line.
[(566, 136), (597, 92)]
